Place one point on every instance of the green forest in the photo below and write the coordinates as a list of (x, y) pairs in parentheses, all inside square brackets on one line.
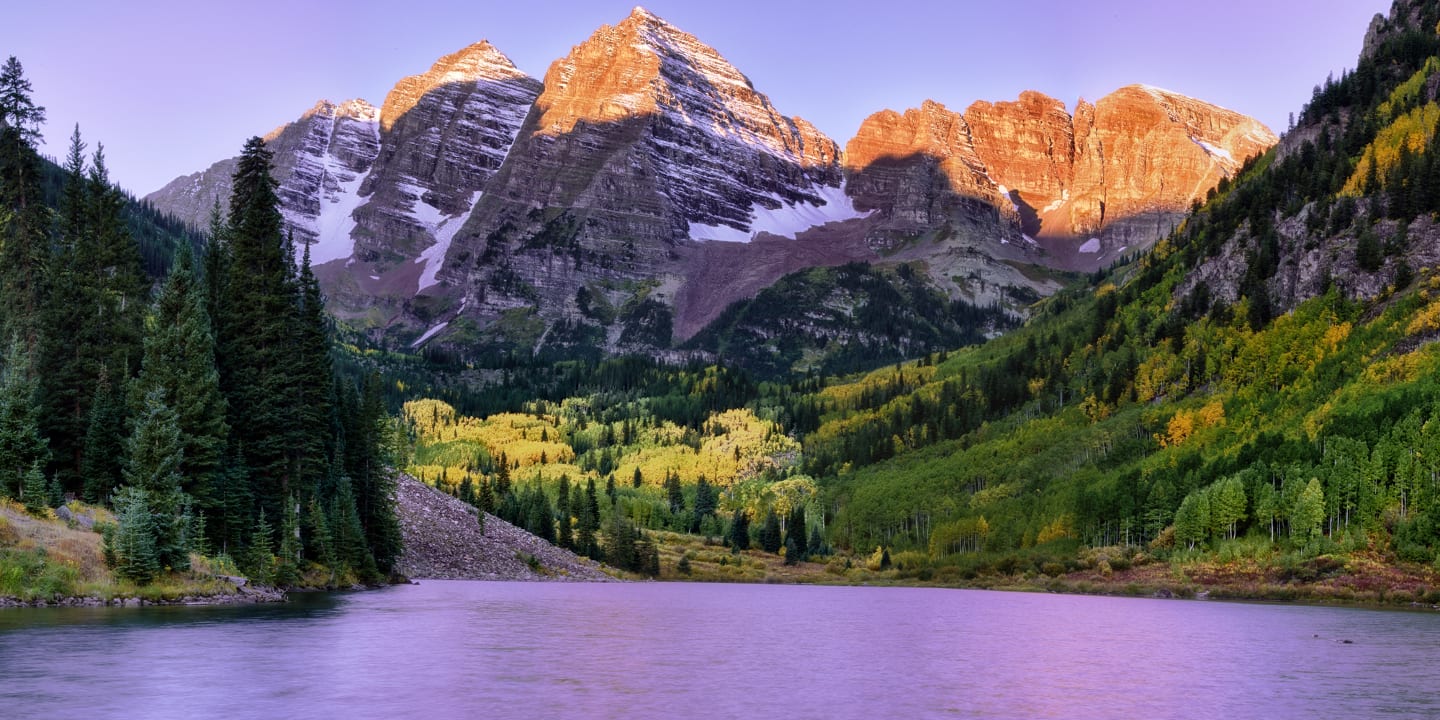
[(187, 387)]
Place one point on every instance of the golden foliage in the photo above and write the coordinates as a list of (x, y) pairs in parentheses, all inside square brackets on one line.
[(1411, 130), (1426, 321), (1060, 528)]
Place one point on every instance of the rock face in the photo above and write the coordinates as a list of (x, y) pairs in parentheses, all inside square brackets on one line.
[(646, 184), (443, 541), (378, 193), (1121, 171), (642, 139)]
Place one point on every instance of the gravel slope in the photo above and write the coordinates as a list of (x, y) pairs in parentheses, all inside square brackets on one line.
[(443, 541)]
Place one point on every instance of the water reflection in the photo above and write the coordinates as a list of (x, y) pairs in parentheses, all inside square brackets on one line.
[(457, 649)]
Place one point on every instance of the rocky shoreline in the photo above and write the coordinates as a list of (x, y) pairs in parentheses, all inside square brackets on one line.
[(245, 594)]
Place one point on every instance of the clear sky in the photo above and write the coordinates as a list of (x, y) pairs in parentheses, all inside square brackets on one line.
[(171, 86)]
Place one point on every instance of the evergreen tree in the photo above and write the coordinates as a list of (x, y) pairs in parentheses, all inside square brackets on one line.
[(35, 492), (566, 535), (587, 521), (260, 559), (154, 454), (375, 480), (793, 552), (21, 445), (179, 363), (287, 566), (674, 494), (132, 542), (311, 375), (740, 530), (620, 543), (103, 455), (231, 510), (816, 546), (24, 219), (349, 533), (319, 540), (770, 540), (638, 478), (705, 499), (255, 330), (795, 530)]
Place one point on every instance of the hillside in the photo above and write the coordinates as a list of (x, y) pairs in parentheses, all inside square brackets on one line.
[(444, 541), (1251, 407)]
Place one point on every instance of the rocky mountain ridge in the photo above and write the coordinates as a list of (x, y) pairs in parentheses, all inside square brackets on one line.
[(625, 201)]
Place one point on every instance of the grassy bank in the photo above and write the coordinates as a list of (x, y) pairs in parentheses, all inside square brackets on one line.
[(45, 558), (1360, 578)]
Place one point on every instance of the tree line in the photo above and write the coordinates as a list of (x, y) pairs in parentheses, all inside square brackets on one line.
[(207, 412)]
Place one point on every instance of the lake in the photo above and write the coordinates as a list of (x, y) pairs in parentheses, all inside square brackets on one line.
[(679, 650)]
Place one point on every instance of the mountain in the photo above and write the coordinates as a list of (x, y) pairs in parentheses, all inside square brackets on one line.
[(1113, 177), (378, 193), (645, 186)]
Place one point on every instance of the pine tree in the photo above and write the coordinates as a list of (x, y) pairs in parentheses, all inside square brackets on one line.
[(287, 566), (24, 219), (254, 330), (816, 546), (35, 492), (233, 502), (154, 454), (770, 540), (740, 530), (21, 445), (638, 478), (793, 552), (179, 363), (93, 310), (587, 521), (320, 541), (132, 542), (620, 543), (795, 530), (103, 453), (350, 545), (260, 556), (311, 376), (565, 537), (674, 494)]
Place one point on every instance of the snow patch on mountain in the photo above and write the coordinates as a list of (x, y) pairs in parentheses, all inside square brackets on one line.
[(429, 334), (443, 229), (1091, 246), (787, 220)]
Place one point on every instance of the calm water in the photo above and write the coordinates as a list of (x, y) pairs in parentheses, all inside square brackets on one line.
[(469, 649)]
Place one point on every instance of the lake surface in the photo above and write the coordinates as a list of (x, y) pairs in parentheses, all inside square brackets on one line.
[(675, 650)]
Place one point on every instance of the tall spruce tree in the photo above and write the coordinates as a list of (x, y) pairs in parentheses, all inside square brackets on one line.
[(103, 455), (179, 362), (255, 328), (155, 452), (21, 445), (24, 219)]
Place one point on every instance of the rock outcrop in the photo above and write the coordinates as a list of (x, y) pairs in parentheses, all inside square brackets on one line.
[(1114, 175), (444, 541)]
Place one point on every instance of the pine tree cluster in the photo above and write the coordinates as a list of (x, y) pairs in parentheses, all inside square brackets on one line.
[(207, 412)]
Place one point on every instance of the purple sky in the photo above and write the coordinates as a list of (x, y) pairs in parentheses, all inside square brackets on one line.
[(172, 86)]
